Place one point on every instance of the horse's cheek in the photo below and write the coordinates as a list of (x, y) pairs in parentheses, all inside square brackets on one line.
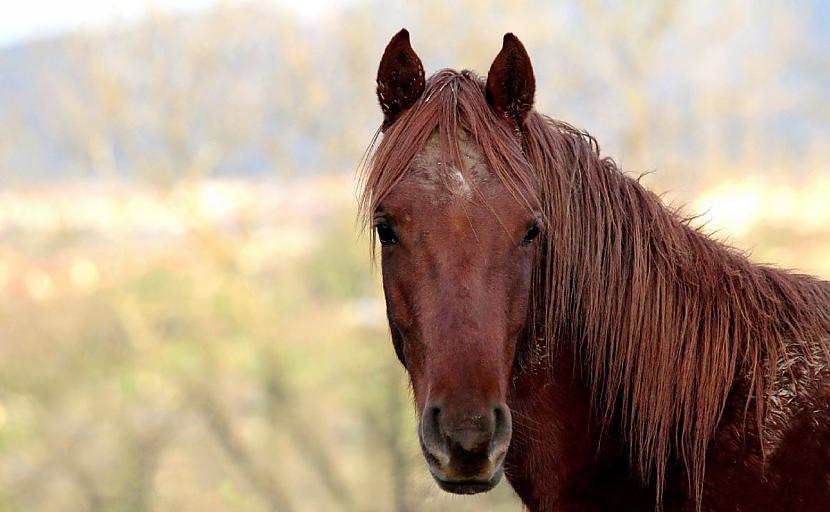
[(519, 296)]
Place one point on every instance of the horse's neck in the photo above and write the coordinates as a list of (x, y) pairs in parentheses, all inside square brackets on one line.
[(556, 454), (551, 433)]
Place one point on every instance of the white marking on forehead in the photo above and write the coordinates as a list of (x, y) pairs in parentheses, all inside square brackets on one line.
[(435, 175), (461, 186)]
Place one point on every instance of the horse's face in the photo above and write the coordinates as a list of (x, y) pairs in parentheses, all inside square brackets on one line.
[(457, 257), (456, 274)]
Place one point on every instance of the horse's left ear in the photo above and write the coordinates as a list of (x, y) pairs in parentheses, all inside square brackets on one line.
[(510, 82), (400, 78)]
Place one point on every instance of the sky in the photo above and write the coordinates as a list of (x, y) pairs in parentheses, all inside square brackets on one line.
[(34, 19)]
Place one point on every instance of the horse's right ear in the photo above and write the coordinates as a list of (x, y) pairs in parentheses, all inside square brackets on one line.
[(400, 78)]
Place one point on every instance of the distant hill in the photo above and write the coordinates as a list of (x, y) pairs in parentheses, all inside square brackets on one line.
[(250, 90), (241, 90)]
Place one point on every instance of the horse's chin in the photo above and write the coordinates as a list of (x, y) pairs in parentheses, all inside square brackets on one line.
[(469, 486)]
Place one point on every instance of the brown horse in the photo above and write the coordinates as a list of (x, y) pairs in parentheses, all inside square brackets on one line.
[(562, 326)]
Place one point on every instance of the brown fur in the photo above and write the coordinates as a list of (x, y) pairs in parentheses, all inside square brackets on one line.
[(695, 370)]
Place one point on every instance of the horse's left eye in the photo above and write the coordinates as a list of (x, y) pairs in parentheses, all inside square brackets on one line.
[(386, 234), (532, 233)]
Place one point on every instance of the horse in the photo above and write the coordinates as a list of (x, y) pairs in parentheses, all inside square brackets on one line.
[(563, 327)]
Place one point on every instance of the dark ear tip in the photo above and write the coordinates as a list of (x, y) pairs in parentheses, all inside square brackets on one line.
[(511, 41), (401, 37)]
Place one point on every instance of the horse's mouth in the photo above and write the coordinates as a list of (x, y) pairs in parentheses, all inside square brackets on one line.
[(469, 486)]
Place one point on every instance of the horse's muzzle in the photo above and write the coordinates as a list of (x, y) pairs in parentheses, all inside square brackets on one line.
[(465, 451)]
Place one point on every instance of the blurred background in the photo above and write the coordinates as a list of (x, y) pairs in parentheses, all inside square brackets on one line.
[(189, 320)]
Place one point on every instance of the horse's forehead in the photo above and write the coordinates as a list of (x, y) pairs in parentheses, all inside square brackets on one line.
[(434, 173)]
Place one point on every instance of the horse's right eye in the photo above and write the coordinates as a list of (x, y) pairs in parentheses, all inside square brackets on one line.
[(386, 234)]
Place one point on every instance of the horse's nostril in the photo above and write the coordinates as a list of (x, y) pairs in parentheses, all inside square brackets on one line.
[(465, 442), (431, 434), (433, 418), (503, 428)]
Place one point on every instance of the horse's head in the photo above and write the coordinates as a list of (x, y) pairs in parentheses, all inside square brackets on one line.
[(453, 205)]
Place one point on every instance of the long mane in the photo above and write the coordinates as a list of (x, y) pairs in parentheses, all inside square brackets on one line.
[(664, 320)]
